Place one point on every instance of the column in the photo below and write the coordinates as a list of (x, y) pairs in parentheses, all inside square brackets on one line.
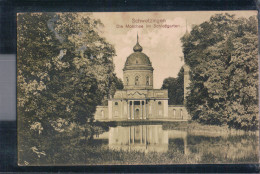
[(133, 104), (122, 109), (132, 114), (144, 109), (128, 109), (141, 102), (129, 143), (142, 134), (134, 136), (150, 109), (145, 137)]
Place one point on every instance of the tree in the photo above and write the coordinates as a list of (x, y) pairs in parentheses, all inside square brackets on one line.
[(222, 55), (243, 106), (64, 67), (175, 88), (119, 83)]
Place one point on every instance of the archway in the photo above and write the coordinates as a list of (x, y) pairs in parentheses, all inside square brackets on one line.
[(137, 114)]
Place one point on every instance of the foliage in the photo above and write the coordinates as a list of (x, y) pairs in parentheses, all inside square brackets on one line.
[(222, 55), (175, 88), (64, 68), (117, 83)]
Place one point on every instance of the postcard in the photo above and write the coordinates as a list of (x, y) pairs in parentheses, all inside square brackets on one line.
[(137, 88)]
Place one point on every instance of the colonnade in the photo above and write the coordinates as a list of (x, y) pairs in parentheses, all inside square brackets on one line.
[(143, 134), (131, 109)]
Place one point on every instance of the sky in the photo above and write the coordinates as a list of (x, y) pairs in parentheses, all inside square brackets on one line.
[(161, 45)]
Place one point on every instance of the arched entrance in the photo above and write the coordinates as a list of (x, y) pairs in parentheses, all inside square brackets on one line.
[(137, 113)]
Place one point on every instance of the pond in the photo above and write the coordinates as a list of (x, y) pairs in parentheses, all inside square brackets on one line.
[(146, 144)]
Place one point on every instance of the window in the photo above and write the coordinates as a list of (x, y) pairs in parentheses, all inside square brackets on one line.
[(159, 103), (147, 80), (102, 113), (127, 81), (116, 103), (137, 112), (116, 114), (136, 102), (136, 80)]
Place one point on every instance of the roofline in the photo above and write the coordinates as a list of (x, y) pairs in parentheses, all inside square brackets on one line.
[(152, 98), (141, 89), (138, 67)]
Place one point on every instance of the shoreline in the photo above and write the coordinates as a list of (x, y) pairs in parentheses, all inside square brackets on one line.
[(192, 127)]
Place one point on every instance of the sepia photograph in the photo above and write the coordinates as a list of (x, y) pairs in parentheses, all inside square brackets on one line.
[(137, 88)]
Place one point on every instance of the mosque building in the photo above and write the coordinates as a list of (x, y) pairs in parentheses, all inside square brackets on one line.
[(138, 100)]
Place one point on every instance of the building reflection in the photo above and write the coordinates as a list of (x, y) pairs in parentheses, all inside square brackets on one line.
[(144, 138)]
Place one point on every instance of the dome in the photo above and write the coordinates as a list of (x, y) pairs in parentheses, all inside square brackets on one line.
[(138, 60)]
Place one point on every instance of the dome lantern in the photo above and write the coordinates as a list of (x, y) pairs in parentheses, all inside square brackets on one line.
[(137, 47), (138, 60)]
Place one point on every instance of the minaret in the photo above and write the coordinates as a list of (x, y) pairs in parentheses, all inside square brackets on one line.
[(186, 81), (186, 72)]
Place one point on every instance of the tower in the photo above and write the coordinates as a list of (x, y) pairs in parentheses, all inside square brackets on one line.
[(186, 71), (138, 70), (186, 83)]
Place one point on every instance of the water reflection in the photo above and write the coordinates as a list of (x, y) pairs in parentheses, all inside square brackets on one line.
[(141, 144), (201, 147), (145, 138)]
